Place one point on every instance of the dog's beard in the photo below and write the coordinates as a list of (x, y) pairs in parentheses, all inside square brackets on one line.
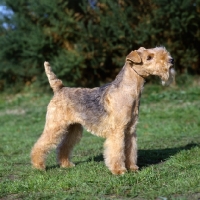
[(170, 78)]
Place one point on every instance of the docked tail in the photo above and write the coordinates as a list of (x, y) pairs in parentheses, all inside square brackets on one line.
[(55, 83)]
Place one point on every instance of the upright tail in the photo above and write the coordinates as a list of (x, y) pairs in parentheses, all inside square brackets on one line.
[(55, 83)]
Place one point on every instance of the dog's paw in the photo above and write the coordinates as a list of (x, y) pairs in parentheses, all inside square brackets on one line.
[(39, 166), (133, 168), (67, 164), (119, 171)]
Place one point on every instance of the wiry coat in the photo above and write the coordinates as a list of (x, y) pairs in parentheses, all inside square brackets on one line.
[(110, 111)]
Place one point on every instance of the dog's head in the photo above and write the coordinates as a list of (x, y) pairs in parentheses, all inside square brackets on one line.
[(156, 61)]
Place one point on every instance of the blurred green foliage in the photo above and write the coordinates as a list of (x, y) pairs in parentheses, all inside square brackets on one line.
[(86, 41)]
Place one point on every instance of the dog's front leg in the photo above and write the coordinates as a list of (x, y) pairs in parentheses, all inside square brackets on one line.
[(114, 153), (131, 151)]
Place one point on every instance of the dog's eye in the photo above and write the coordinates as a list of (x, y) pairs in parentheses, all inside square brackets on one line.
[(149, 57)]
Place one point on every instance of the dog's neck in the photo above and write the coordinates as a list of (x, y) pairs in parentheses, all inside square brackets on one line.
[(136, 73), (138, 69), (130, 80)]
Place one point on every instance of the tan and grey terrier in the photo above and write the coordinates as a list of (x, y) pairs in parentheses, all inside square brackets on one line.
[(110, 111)]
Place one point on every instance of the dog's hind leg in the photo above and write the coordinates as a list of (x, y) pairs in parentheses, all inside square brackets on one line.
[(48, 140), (55, 128), (71, 137)]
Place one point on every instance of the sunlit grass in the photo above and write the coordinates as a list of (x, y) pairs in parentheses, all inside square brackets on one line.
[(168, 141)]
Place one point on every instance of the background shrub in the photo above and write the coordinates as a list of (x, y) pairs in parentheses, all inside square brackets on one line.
[(87, 41)]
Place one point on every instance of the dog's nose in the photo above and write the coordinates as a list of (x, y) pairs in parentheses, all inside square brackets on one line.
[(171, 60)]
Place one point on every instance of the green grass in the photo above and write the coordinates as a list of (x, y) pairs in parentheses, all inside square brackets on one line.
[(169, 151)]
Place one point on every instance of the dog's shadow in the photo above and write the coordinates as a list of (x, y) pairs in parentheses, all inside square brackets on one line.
[(145, 157), (152, 157)]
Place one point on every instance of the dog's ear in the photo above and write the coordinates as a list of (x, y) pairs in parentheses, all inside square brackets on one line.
[(134, 57)]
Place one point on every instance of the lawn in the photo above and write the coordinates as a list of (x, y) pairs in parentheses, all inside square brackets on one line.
[(168, 141)]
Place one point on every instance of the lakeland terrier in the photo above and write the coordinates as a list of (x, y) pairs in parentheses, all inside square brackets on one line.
[(110, 111)]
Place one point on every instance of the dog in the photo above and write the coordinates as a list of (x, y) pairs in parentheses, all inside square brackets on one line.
[(110, 111)]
